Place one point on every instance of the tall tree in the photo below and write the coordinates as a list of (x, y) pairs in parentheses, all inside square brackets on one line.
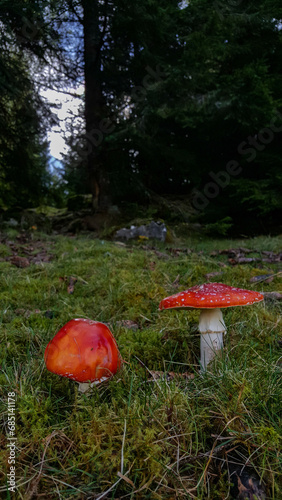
[(23, 160), (94, 102), (120, 61), (172, 92), (222, 87)]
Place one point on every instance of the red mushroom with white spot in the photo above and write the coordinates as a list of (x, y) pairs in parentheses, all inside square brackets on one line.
[(84, 351), (210, 298)]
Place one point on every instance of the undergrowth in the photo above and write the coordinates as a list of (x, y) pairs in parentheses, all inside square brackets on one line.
[(137, 436)]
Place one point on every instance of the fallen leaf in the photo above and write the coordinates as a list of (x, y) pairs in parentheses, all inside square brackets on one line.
[(269, 253), (158, 375), (273, 259), (235, 251), (161, 255), (125, 478), (127, 323), (175, 283), (272, 295), (248, 485), (246, 250), (243, 260), (19, 261), (221, 264), (72, 282), (179, 251), (152, 265), (42, 257), (212, 275), (262, 277), (19, 312)]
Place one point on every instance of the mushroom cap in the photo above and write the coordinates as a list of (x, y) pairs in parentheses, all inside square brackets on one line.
[(83, 350), (210, 296)]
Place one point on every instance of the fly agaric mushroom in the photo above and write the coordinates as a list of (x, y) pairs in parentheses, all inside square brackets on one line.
[(210, 298), (84, 351)]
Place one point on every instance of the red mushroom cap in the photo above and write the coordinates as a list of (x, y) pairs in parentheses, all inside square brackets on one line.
[(83, 350), (209, 296)]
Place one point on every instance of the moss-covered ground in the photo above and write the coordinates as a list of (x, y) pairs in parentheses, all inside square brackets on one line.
[(140, 435)]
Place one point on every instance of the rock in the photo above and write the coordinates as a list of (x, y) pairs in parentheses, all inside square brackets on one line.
[(154, 230), (124, 234), (12, 223)]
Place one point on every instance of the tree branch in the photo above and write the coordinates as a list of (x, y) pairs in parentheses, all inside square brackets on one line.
[(72, 9)]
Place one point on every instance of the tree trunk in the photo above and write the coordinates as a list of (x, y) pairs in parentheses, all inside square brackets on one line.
[(94, 104)]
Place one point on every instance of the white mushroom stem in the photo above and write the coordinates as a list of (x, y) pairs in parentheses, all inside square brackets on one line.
[(85, 386), (212, 328)]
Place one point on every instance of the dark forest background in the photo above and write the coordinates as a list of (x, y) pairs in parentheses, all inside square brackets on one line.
[(183, 102)]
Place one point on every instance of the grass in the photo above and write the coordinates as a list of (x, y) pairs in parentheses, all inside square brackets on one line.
[(133, 437)]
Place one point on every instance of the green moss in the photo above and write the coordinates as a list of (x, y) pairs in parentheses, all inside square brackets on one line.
[(4, 251), (162, 432)]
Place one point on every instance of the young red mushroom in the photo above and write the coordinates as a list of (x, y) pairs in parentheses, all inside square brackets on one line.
[(210, 298), (84, 351)]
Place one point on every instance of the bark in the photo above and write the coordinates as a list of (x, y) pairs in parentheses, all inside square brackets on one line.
[(94, 104)]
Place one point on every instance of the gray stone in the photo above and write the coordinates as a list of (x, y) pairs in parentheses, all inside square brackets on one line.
[(154, 230), (12, 223)]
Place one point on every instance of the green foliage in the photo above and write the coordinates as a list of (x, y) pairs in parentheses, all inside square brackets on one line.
[(218, 85), (219, 228), (180, 95), (23, 160), (28, 39)]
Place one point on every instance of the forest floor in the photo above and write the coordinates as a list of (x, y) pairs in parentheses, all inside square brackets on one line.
[(160, 428)]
